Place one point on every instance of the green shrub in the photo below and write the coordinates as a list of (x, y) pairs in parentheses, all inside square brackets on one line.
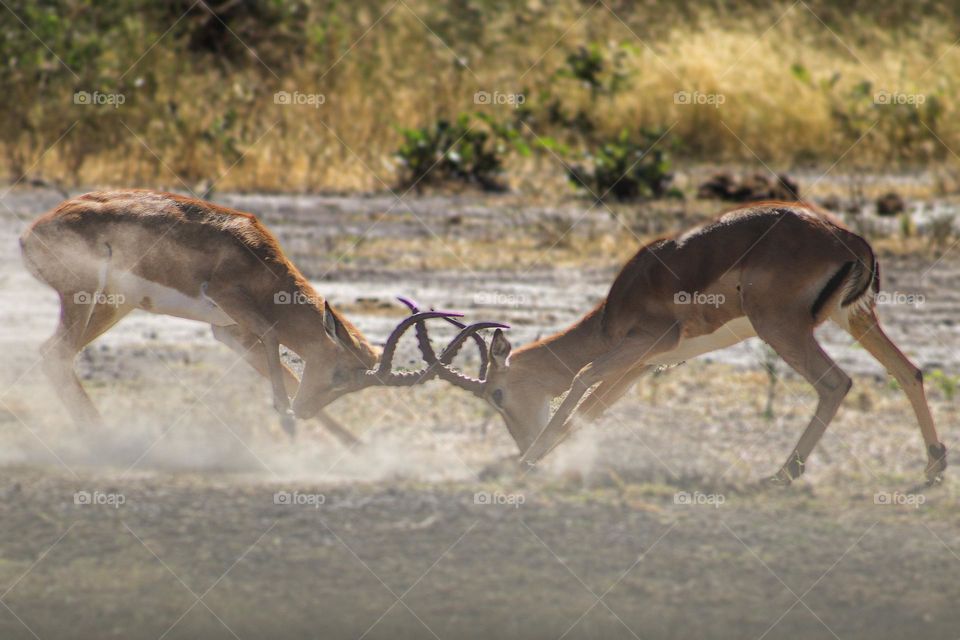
[(600, 69), (946, 383), (470, 150), (626, 168), (906, 120)]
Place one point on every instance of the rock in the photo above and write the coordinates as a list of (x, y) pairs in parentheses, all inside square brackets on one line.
[(755, 187), (720, 186), (831, 202), (759, 186), (890, 204), (786, 188)]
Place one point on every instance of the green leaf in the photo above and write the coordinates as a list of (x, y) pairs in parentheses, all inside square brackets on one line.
[(801, 73)]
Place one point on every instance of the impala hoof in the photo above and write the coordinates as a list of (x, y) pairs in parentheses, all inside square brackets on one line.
[(791, 470), (781, 479), (505, 467), (936, 463), (289, 423)]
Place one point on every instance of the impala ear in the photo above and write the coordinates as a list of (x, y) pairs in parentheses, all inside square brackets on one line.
[(330, 321), (499, 349), (335, 328)]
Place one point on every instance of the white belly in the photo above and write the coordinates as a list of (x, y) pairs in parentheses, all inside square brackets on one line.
[(726, 336), (156, 298)]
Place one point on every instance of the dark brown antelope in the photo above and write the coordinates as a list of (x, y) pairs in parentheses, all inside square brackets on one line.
[(109, 253), (774, 270)]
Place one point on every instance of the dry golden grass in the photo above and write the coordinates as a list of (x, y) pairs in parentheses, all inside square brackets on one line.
[(408, 64)]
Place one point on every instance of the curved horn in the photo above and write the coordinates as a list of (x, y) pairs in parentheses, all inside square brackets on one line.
[(457, 379), (461, 380), (423, 340), (451, 350), (383, 375), (390, 347), (427, 349)]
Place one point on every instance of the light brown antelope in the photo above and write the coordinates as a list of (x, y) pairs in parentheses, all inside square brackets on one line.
[(108, 253), (774, 270)]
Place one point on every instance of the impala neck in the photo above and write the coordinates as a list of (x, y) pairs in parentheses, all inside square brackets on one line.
[(555, 360), (302, 327)]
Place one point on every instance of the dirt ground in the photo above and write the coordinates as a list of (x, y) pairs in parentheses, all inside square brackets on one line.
[(194, 517)]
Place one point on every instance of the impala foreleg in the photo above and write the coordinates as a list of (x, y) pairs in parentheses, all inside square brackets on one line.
[(247, 345), (609, 391), (558, 428), (236, 303), (616, 364)]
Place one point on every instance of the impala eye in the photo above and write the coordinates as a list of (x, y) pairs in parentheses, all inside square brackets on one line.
[(497, 397)]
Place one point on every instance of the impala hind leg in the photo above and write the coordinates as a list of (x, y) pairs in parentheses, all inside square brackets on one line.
[(80, 324), (248, 345), (864, 326), (794, 342)]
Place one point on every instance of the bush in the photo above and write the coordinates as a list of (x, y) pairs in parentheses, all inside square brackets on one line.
[(602, 71), (200, 104), (626, 168), (469, 150)]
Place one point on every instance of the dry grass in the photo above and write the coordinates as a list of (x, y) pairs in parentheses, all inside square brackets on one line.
[(190, 119)]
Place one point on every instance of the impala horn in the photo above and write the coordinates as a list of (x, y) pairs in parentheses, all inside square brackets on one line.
[(441, 366), (383, 375), (426, 349), (454, 377)]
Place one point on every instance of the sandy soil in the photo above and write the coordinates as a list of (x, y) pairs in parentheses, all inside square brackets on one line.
[(204, 521)]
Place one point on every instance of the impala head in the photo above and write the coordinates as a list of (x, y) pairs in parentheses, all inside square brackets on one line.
[(516, 393), (341, 362)]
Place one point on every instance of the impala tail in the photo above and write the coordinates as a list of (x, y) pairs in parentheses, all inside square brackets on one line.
[(28, 251)]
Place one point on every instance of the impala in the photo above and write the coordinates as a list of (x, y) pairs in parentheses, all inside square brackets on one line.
[(774, 270), (108, 253)]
